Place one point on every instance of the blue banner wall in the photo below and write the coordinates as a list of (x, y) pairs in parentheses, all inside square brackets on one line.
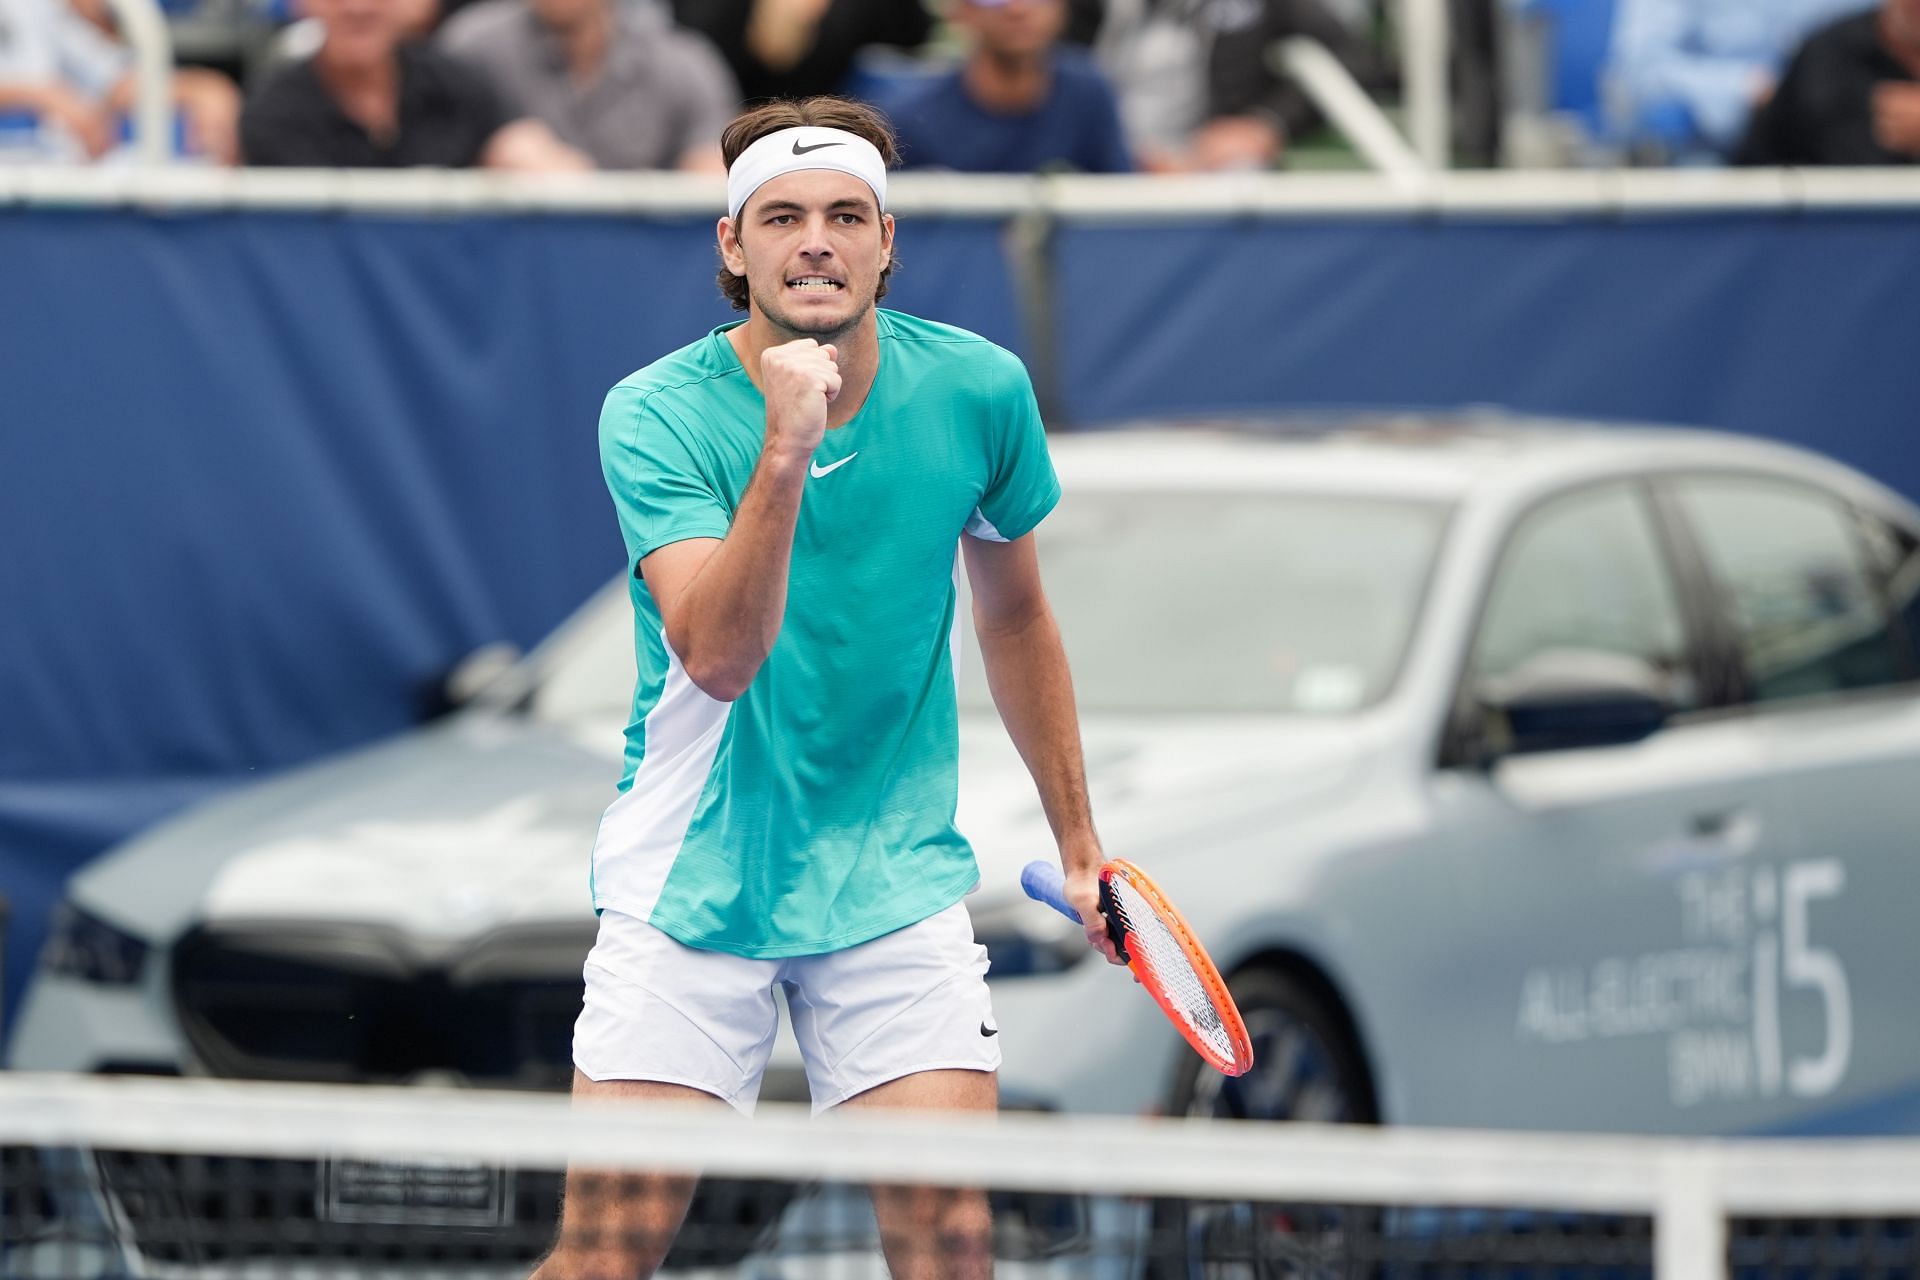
[(1800, 326), (265, 477)]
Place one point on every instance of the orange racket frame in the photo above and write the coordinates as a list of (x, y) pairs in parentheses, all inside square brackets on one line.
[(1203, 967)]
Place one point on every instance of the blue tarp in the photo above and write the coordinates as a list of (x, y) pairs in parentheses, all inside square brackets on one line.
[(265, 476), (1802, 327)]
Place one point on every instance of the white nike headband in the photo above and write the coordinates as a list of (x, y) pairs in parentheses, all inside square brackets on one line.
[(805, 147)]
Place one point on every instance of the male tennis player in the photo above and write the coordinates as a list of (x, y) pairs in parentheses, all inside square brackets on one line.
[(791, 489)]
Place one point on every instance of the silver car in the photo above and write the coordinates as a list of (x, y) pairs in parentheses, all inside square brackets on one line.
[(1518, 775)]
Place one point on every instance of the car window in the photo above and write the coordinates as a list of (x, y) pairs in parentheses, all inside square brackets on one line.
[(1895, 553), (1584, 572), (1793, 578), (1182, 601)]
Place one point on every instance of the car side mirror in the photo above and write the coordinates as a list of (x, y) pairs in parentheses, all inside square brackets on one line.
[(466, 680), (1561, 699)]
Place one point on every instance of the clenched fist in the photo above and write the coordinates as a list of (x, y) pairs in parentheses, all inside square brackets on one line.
[(799, 380)]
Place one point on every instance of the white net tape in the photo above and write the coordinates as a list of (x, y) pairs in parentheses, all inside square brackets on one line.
[(112, 1178)]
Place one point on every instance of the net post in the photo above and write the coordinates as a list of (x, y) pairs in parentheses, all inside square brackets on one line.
[(1690, 1222)]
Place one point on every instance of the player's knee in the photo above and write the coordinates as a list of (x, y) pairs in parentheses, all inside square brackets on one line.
[(938, 1219), (964, 1223)]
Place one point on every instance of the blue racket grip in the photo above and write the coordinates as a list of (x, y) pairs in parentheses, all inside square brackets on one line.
[(1044, 882)]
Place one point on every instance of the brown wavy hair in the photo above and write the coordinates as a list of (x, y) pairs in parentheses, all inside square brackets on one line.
[(823, 112)]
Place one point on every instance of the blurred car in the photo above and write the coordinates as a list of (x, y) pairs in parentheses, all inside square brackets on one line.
[(1516, 774)]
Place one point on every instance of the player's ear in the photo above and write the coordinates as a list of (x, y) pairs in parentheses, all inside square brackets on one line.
[(886, 240), (728, 236)]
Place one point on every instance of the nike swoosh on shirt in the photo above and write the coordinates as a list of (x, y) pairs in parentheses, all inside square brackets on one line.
[(985, 1030), (815, 470), (800, 150)]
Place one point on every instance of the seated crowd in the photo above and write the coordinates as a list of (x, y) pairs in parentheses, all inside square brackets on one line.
[(1011, 86), (987, 86)]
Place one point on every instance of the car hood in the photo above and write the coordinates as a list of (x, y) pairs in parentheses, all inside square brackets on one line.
[(1158, 786), (478, 822), (487, 822)]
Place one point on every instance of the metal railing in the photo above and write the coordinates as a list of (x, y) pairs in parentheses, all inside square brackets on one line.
[(145, 28)]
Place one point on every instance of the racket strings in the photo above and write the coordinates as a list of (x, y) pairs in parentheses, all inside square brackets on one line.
[(1157, 949)]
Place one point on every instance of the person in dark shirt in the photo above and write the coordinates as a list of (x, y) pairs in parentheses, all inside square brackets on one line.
[(799, 48), (1851, 96), (1020, 103), (1199, 88), (367, 100)]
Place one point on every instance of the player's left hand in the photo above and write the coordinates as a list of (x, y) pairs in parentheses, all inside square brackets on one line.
[(1082, 891)]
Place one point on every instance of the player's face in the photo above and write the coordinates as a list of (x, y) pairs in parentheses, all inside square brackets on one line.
[(811, 245)]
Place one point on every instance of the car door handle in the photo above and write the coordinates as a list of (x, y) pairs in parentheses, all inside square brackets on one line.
[(1736, 827)]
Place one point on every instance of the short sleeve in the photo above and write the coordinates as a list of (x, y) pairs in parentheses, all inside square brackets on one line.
[(1021, 487), (661, 490)]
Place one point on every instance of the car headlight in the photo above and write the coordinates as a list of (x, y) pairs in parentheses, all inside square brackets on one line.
[(81, 945), (1017, 956)]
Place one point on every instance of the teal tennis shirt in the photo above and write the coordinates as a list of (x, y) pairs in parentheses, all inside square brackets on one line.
[(817, 810)]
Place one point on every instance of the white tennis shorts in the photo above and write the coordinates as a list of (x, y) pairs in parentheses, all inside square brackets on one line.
[(911, 1000)]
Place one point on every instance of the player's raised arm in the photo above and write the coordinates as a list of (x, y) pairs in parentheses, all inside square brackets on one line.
[(722, 599)]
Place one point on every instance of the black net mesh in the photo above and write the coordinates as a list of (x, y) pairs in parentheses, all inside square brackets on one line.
[(99, 1214)]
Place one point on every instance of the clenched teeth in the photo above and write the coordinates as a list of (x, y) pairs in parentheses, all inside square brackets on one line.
[(814, 282)]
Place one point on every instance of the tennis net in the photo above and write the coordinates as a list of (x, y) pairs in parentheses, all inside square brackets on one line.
[(103, 1177)]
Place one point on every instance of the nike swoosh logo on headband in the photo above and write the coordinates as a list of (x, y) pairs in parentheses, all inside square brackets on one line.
[(800, 150)]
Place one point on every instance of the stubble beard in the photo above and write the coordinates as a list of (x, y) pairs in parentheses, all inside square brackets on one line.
[(819, 332)]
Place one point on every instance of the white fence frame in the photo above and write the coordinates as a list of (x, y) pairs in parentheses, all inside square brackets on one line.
[(1623, 192), (1690, 1187)]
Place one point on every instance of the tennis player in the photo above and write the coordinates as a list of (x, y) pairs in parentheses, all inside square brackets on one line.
[(791, 488)]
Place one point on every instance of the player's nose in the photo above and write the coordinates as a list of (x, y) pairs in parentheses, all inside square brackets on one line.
[(816, 243)]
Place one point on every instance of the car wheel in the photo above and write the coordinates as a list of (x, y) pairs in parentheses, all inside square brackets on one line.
[(1306, 1066)]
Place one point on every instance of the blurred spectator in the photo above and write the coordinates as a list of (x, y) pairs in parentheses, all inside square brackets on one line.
[(798, 48), (303, 37), (618, 81), (1199, 89), (367, 100), (69, 81), (1850, 96), (1685, 75), (1019, 103)]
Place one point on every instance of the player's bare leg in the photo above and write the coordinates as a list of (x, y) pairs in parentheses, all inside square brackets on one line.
[(615, 1224), (935, 1233)]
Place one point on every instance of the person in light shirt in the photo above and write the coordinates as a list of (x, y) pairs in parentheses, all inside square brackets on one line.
[(67, 81), (1687, 74)]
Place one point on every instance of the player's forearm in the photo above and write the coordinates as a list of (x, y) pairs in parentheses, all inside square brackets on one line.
[(1033, 690), (730, 614)]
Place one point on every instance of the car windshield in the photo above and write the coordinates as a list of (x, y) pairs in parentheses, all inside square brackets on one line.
[(1219, 602), (1231, 601)]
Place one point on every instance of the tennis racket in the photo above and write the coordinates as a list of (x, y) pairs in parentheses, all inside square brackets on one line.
[(1163, 953)]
